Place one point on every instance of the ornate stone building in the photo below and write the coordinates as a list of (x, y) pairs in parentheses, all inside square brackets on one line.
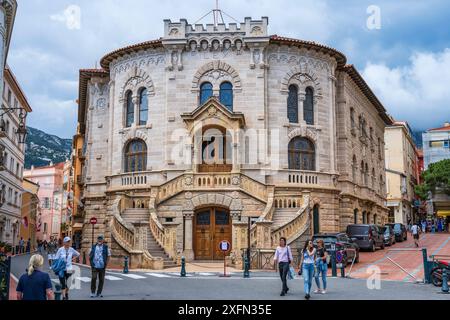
[(187, 138)]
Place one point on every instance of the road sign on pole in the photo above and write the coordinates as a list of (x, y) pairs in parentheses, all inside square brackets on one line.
[(93, 221), (224, 246)]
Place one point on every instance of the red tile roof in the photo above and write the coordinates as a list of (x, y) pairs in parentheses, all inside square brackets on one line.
[(444, 128)]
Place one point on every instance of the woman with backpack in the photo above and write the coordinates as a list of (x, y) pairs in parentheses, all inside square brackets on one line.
[(321, 266), (307, 266), (283, 255), (67, 254)]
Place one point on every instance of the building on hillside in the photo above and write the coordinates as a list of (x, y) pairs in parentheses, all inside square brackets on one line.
[(401, 172), (50, 181), (30, 209), (436, 144), (13, 111), (183, 140)]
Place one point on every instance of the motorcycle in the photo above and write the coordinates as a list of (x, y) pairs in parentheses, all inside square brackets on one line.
[(436, 273)]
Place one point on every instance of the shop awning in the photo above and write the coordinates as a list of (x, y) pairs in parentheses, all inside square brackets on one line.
[(443, 213)]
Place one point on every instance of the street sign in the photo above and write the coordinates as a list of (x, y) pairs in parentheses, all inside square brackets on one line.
[(93, 221), (333, 247), (224, 246)]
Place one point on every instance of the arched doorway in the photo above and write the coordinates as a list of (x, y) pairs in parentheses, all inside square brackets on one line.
[(316, 221), (211, 226), (216, 150)]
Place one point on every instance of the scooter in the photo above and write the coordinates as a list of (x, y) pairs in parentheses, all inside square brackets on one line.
[(436, 273)]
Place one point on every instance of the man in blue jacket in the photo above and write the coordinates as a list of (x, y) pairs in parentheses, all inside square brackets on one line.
[(98, 257)]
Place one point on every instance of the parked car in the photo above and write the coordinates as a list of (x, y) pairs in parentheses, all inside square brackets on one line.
[(400, 231), (342, 242), (389, 235), (367, 236)]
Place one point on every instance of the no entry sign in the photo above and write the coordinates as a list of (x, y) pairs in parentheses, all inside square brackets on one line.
[(93, 220)]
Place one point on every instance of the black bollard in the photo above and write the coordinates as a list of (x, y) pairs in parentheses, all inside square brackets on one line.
[(183, 267), (84, 257), (246, 267), (444, 281), (125, 265)]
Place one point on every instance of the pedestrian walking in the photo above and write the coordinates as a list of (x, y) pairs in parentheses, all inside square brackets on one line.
[(98, 257), (21, 245), (35, 284), (321, 267), (307, 266), (415, 232), (39, 246), (52, 248), (283, 256), (28, 245), (424, 226), (67, 254)]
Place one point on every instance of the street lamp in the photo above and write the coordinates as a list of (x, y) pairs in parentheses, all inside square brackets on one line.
[(22, 130)]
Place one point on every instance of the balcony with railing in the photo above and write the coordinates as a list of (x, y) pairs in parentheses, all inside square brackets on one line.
[(294, 178)]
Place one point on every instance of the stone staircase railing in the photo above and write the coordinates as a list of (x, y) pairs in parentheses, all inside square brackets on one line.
[(294, 228), (132, 240)]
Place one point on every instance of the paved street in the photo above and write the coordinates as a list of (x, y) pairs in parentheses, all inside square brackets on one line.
[(142, 285)]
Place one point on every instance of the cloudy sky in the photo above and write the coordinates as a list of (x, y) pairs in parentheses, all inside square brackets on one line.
[(405, 58)]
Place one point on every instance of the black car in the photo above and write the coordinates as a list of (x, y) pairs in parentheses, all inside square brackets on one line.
[(342, 242), (400, 231), (389, 235), (367, 236)]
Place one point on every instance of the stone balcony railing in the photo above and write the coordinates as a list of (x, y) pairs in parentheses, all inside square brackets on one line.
[(302, 178)]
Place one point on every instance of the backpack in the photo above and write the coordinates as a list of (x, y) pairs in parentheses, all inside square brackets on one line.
[(59, 267)]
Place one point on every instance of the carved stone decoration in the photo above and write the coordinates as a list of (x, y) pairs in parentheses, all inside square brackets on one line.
[(238, 45), (188, 195), (188, 181), (2, 157), (137, 78), (137, 60), (312, 62), (235, 180), (309, 133), (227, 45), (212, 111), (216, 71), (101, 103), (256, 31), (215, 45), (174, 32)]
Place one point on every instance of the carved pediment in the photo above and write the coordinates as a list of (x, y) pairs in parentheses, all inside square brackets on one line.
[(212, 112)]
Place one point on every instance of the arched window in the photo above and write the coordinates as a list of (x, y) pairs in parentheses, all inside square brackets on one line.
[(364, 215), (136, 156), (354, 168), (352, 118), (292, 104), (362, 172), (375, 218), (308, 106), (373, 178), (226, 95), (355, 216), (129, 109), (381, 185), (302, 154), (206, 92), (143, 107)]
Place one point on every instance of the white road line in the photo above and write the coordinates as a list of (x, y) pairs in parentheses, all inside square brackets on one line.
[(159, 275), (133, 276), (206, 274), (55, 280), (112, 278), (84, 279)]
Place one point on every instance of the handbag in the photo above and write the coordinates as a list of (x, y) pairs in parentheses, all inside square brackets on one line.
[(328, 259), (291, 273)]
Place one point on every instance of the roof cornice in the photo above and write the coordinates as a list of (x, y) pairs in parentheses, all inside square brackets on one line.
[(10, 9)]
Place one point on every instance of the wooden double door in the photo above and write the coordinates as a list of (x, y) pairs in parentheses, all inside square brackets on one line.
[(211, 226)]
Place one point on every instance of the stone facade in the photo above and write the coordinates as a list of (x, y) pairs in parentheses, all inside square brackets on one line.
[(258, 182)]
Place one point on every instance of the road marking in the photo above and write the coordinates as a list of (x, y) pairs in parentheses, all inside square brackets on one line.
[(84, 279), (112, 278), (55, 280), (206, 274), (133, 276), (159, 275)]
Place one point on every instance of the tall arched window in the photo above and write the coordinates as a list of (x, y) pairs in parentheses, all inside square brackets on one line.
[(136, 156), (373, 178), (364, 217), (143, 107), (308, 106), (366, 176), (355, 216), (354, 168), (362, 172), (292, 104), (302, 154), (375, 219), (129, 109), (206, 92), (381, 185), (226, 95), (352, 118)]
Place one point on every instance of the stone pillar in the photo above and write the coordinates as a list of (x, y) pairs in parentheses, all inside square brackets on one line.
[(264, 234), (188, 233)]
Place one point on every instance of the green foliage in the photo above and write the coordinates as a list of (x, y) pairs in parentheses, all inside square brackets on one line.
[(436, 178)]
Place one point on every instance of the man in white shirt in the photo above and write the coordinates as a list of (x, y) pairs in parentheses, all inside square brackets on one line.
[(415, 229)]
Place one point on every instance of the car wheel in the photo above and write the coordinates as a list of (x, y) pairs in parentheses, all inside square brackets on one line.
[(373, 249)]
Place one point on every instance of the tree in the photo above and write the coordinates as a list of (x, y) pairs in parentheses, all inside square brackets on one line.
[(435, 179)]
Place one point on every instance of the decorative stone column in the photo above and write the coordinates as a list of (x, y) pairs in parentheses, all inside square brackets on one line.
[(188, 232), (236, 232)]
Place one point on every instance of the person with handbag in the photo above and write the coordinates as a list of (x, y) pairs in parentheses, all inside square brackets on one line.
[(283, 255), (306, 267), (321, 266), (67, 254)]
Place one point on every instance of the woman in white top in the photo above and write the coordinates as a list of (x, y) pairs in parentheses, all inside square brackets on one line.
[(307, 266), (68, 254), (283, 255)]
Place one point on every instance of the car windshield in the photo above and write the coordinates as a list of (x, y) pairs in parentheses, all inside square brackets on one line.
[(325, 239), (357, 230)]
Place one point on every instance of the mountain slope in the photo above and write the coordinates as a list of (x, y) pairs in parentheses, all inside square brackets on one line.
[(43, 148)]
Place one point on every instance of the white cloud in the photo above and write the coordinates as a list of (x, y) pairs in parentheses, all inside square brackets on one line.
[(71, 16), (418, 92)]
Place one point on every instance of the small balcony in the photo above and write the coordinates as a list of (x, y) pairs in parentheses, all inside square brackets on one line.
[(80, 180), (81, 155)]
